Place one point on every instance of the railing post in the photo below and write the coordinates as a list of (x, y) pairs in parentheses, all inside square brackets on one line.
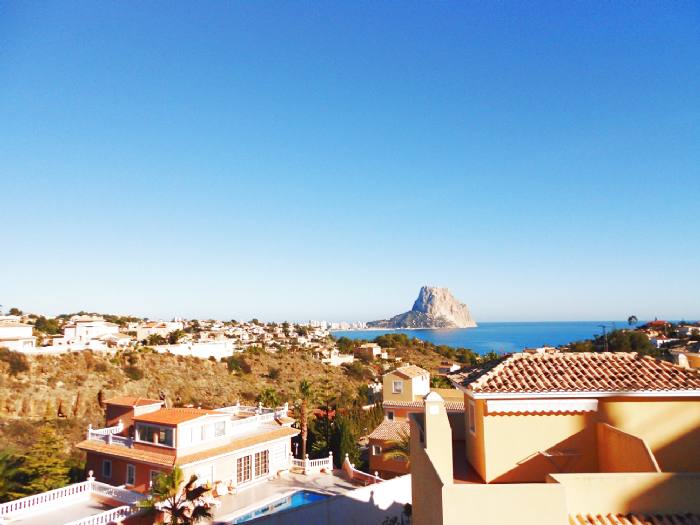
[(109, 439), (89, 430), (286, 408), (330, 460), (307, 466)]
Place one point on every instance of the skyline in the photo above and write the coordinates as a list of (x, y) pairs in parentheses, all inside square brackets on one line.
[(324, 162)]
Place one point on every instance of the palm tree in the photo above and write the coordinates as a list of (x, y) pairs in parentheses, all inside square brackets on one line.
[(632, 319), (399, 449), (182, 503), (9, 472), (269, 398), (305, 393)]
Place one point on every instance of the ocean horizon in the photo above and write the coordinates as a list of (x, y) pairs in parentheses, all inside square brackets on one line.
[(501, 337)]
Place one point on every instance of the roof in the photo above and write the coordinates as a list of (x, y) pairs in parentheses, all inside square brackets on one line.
[(138, 454), (617, 372), (130, 401), (450, 405), (635, 519), (171, 460), (410, 371), (237, 444), (391, 430), (174, 416)]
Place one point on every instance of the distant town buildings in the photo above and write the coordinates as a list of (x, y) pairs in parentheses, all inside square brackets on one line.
[(15, 335)]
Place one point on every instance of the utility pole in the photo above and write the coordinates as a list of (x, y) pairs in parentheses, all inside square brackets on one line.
[(605, 336)]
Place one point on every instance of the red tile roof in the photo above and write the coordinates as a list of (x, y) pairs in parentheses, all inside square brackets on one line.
[(130, 401), (119, 451), (391, 430), (577, 372), (411, 371), (174, 416), (635, 519), (450, 405)]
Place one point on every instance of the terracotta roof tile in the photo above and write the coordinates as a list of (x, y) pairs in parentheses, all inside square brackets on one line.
[(391, 430), (577, 372), (126, 452), (450, 406), (174, 416), (635, 519), (411, 371), (131, 401)]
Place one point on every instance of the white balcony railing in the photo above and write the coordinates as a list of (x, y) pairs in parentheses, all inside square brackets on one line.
[(39, 503), (312, 466)]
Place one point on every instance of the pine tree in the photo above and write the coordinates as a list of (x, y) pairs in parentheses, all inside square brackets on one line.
[(44, 466), (343, 442)]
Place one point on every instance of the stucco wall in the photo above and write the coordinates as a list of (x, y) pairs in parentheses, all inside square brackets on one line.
[(512, 443), (657, 493), (524, 504), (671, 427), (619, 451)]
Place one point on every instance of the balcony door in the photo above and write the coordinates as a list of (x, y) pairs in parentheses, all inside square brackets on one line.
[(244, 468)]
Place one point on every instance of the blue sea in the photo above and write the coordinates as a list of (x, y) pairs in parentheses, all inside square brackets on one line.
[(501, 337)]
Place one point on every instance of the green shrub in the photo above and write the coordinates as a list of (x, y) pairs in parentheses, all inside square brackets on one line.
[(133, 372), (16, 361)]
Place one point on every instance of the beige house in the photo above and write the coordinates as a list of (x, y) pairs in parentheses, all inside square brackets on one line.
[(407, 383), (559, 437)]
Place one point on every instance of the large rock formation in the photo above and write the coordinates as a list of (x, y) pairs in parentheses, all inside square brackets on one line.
[(434, 308)]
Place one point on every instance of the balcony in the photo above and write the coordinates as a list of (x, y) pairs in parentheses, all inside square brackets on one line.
[(86, 503)]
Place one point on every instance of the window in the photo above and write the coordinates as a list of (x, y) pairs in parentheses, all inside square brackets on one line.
[(106, 468), (262, 463), (130, 474), (390, 415), (158, 435), (243, 469), (397, 387), (219, 428), (376, 450), (472, 418), (152, 477)]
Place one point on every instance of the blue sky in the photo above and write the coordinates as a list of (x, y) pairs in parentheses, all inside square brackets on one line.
[(324, 160)]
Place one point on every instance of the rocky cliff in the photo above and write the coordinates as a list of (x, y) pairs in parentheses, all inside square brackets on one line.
[(434, 308)]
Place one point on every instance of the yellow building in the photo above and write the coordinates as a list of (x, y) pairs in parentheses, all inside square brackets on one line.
[(552, 437)]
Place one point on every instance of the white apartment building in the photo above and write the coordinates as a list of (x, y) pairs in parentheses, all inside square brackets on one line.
[(162, 328), (85, 331), (16, 336)]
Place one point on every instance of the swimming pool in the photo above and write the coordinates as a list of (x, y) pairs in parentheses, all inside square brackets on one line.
[(296, 499)]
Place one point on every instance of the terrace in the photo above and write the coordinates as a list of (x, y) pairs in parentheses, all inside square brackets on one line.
[(86, 503)]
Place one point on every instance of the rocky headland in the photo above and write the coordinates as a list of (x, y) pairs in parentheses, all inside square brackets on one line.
[(434, 308)]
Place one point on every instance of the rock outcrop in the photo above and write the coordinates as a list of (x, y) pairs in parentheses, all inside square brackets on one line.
[(434, 308)]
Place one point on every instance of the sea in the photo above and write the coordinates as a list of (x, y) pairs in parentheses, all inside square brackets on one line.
[(501, 337)]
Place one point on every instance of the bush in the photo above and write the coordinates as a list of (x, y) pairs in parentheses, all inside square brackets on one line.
[(273, 373), (16, 361), (238, 364), (133, 372)]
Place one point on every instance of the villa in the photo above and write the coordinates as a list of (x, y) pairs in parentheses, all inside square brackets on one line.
[(237, 446), (404, 390), (551, 438), (16, 336)]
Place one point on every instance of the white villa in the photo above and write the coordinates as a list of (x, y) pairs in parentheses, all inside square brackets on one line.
[(16, 336)]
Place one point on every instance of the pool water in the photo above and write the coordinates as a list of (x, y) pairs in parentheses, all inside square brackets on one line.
[(296, 499)]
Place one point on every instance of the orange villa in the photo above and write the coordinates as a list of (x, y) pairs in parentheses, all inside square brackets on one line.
[(234, 445), (553, 437), (404, 389)]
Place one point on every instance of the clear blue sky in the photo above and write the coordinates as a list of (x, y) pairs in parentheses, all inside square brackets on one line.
[(324, 160)]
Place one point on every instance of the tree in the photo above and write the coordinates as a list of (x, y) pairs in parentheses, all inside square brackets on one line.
[(632, 320), (399, 449), (47, 326), (15, 311), (155, 339), (343, 442), (182, 503), (9, 473), (305, 394), (44, 467), (175, 336), (268, 398)]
